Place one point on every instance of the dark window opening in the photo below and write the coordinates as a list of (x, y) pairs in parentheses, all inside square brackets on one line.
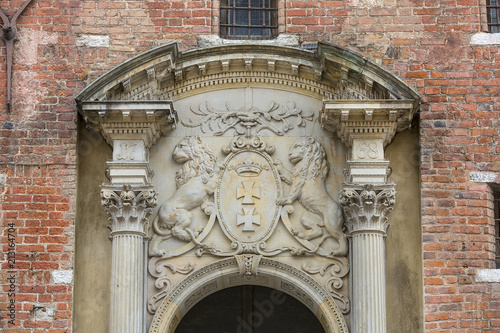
[(496, 208), (249, 19), (493, 9)]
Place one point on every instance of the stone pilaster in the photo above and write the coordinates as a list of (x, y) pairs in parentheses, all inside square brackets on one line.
[(366, 128), (128, 208), (131, 128), (366, 208)]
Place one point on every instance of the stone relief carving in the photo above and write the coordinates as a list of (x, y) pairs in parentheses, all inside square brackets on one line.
[(336, 269), (249, 203), (195, 183), (246, 192), (277, 118), (158, 268), (368, 150), (308, 187), (127, 151)]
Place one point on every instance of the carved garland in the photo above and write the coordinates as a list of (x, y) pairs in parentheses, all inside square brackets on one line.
[(242, 120)]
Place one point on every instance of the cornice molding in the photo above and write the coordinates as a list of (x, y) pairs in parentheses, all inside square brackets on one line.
[(145, 120), (159, 73), (381, 119)]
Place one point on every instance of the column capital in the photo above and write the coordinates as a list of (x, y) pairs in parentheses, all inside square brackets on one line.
[(128, 207), (367, 206)]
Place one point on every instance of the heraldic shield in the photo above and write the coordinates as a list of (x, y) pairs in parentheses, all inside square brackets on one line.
[(247, 189)]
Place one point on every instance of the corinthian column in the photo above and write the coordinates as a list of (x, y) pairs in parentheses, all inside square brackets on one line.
[(129, 208), (131, 128), (366, 208), (366, 128)]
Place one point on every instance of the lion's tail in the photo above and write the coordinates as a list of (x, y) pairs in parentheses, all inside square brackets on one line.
[(158, 230)]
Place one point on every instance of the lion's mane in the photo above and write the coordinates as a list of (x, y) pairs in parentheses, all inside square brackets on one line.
[(314, 163), (202, 163)]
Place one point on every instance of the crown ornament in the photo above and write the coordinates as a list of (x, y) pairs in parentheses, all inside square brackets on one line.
[(248, 168)]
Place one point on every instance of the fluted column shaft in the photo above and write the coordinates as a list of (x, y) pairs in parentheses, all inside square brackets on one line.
[(128, 208), (127, 299), (366, 208), (368, 290)]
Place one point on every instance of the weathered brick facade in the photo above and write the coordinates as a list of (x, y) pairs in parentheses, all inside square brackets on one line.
[(426, 43)]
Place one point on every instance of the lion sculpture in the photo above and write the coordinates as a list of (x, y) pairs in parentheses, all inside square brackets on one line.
[(308, 186), (195, 183)]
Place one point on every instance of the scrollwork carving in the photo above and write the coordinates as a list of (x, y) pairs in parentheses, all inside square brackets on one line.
[(158, 267), (337, 269)]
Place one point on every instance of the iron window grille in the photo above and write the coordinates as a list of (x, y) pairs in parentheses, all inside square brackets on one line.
[(493, 9), (249, 19), (496, 208)]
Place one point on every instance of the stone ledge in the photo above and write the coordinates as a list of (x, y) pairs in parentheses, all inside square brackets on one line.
[(488, 275), (215, 40), (485, 38)]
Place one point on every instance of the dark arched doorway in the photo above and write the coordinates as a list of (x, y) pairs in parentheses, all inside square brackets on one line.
[(249, 309)]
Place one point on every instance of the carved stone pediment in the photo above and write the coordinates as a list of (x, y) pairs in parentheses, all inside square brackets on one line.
[(164, 73)]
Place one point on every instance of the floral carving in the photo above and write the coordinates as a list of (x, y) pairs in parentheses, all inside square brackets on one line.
[(277, 118)]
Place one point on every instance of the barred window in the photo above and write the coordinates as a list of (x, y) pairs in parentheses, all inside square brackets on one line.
[(496, 207), (249, 19), (493, 8)]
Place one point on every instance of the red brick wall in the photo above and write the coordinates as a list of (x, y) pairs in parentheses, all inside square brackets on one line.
[(426, 43)]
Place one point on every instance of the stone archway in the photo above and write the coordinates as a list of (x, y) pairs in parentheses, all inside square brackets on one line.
[(227, 273), (147, 105)]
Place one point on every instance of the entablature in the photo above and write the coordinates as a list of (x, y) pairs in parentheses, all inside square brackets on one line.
[(382, 119)]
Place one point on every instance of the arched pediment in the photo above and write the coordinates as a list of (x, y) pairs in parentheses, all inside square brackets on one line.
[(354, 90), (164, 73)]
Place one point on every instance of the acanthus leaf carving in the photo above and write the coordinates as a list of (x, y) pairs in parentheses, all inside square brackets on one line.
[(129, 207), (248, 264), (367, 207), (276, 118)]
